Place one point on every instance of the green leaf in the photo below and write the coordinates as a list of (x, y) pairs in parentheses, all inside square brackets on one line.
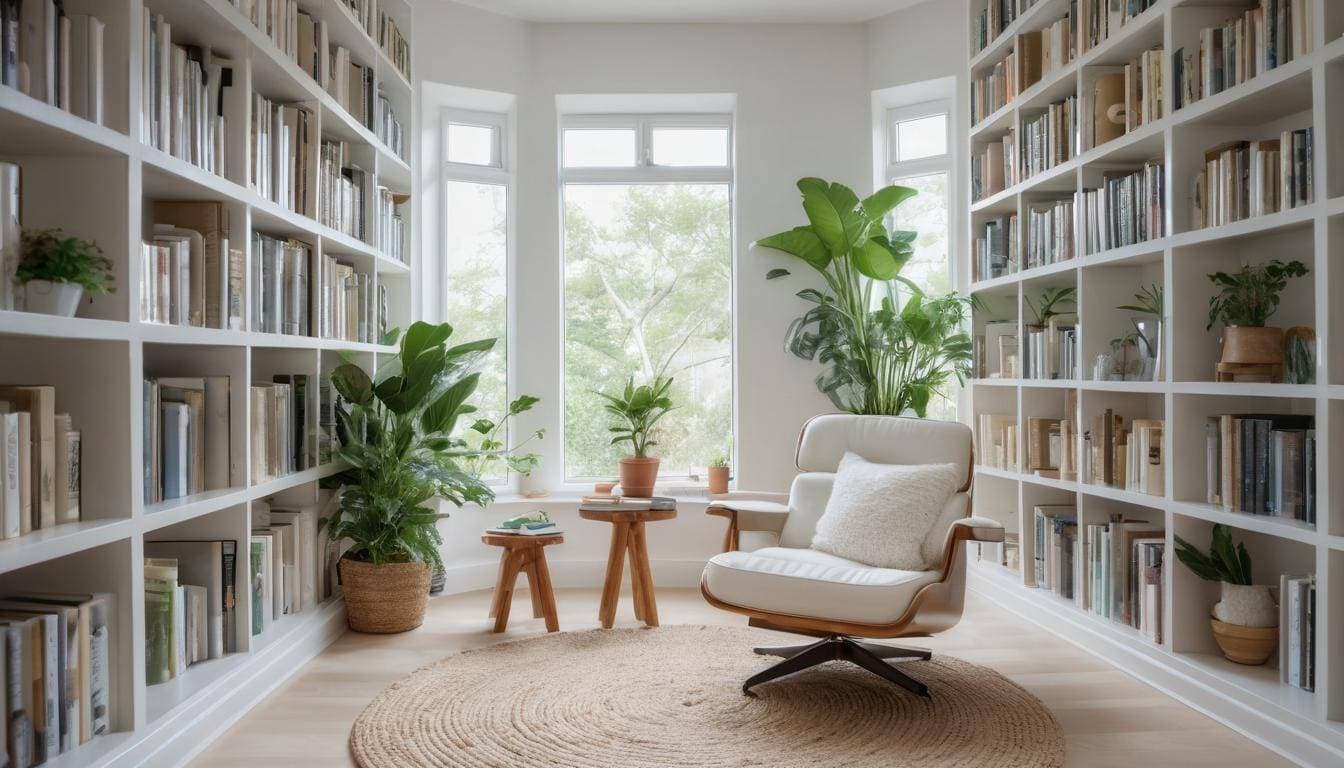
[(885, 200), (442, 413), (801, 242), (390, 338), (835, 215), (522, 404), (421, 336), (352, 383), (776, 273)]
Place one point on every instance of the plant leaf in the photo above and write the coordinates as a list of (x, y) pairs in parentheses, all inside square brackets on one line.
[(776, 273)]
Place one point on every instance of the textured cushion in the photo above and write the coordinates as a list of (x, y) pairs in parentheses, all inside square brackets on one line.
[(883, 439), (880, 514), (804, 582)]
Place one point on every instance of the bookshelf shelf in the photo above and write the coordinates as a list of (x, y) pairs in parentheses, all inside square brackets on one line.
[(68, 539), (1307, 727), (32, 127), (174, 511)]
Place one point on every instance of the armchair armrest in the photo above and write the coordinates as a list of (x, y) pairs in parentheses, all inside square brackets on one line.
[(980, 529), (748, 515)]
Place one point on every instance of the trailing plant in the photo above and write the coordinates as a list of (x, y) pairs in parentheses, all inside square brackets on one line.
[(885, 346), (1054, 302), (1250, 296), (1148, 301), (638, 409), (49, 254), (1224, 562), (396, 433), (492, 446)]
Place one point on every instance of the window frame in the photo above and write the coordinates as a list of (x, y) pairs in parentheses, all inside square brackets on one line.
[(643, 172), (502, 174), (922, 165)]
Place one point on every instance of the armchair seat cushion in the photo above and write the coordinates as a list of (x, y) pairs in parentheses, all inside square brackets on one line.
[(805, 582)]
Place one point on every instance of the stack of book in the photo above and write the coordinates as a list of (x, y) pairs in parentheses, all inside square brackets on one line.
[(1122, 573), (189, 273), (279, 285), (997, 355), (1051, 350), (995, 18), (388, 128), (283, 163), (284, 544), (1099, 19), (56, 663), (277, 19), (998, 441), (281, 443), (39, 462), (194, 618), (389, 227), (185, 426), (394, 44), (348, 307), (1126, 209), (55, 57), (1262, 464), (345, 190), (1048, 139), (1297, 631), (1125, 456), (1050, 236), (1254, 178), (993, 167), (995, 253), (1264, 37), (184, 91)]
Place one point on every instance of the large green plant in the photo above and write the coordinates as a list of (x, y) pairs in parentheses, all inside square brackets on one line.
[(1224, 562), (49, 254), (885, 346), (638, 409), (1250, 296), (395, 431)]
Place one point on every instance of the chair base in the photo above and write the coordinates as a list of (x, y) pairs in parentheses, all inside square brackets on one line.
[(871, 656)]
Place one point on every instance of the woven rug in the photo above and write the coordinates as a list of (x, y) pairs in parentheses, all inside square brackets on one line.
[(671, 696)]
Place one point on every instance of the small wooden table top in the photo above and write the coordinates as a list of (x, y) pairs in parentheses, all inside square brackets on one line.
[(526, 554), (627, 535)]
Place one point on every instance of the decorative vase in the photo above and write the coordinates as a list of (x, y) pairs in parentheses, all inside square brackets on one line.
[(1248, 345), (638, 477), (1251, 646), (718, 479), (1247, 605), (1299, 352), (1150, 346), (50, 298), (384, 599)]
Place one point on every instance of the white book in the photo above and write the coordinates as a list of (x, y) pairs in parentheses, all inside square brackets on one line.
[(37, 42), (198, 624), (10, 233), (10, 483), (176, 421), (179, 641), (86, 67), (200, 563)]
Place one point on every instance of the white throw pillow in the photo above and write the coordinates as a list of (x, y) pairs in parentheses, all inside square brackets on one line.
[(879, 514)]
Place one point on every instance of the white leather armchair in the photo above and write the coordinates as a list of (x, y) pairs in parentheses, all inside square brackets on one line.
[(794, 588)]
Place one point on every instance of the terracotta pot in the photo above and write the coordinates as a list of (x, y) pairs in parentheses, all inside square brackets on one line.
[(638, 477), (1245, 345), (1245, 645), (384, 599), (718, 479)]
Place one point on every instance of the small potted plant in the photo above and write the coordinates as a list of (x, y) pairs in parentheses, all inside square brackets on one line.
[(638, 409), (1245, 620), (1245, 301), (1148, 301), (1054, 302), (56, 269), (718, 474)]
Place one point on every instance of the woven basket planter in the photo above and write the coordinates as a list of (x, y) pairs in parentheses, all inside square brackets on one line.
[(384, 599)]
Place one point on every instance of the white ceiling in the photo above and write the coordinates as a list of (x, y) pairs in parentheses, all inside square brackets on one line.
[(741, 11)]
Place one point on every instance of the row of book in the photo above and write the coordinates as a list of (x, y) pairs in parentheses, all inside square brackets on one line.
[(283, 140), (185, 424), (281, 441), (1047, 140), (1271, 34), (1241, 179), (55, 671), (1049, 233), (277, 20), (381, 27), (190, 605), (1097, 20), (389, 129), (1050, 447), (1050, 351), (1035, 55), (295, 292), (291, 568), (191, 272), (39, 462), (1127, 208), (389, 226), (1297, 631), (1124, 455), (345, 189), (184, 90), (1262, 464), (997, 441), (990, 22), (353, 86), (996, 350), (995, 253), (55, 57)]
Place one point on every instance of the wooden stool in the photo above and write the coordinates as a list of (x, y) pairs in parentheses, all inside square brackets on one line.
[(627, 534), (523, 554)]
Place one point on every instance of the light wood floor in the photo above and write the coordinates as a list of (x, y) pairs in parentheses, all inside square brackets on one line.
[(1109, 719)]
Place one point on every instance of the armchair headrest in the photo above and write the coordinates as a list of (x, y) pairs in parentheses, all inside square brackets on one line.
[(884, 440)]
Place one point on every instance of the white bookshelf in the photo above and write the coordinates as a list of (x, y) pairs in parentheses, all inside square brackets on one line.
[(97, 182), (1305, 726)]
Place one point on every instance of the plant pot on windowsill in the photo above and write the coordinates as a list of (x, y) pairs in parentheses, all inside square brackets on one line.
[(638, 476), (385, 598), (718, 479), (1249, 345)]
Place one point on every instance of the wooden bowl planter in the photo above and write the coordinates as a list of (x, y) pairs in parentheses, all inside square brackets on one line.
[(384, 599), (1251, 646), (638, 476)]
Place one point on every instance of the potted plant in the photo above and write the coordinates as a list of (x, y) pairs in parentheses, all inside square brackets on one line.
[(1054, 303), (1148, 301), (638, 409), (1245, 301), (1245, 620), (56, 269), (396, 433), (718, 474), (886, 346)]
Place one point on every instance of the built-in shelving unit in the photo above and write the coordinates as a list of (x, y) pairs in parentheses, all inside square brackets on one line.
[(1305, 726), (97, 182)]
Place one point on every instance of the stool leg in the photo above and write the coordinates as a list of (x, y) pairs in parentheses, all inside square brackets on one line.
[(636, 585), (646, 577), (499, 583), (531, 571), (543, 587), (506, 593), (611, 588)]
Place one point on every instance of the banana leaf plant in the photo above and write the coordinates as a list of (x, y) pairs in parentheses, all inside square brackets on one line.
[(396, 433), (886, 347), (1224, 562)]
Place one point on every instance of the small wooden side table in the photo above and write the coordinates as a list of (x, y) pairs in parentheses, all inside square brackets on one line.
[(527, 555), (627, 535)]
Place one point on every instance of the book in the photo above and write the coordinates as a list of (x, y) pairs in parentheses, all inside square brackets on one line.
[(14, 503), (11, 230), (160, 577), (260, 558), (40, 404), (94, 649)]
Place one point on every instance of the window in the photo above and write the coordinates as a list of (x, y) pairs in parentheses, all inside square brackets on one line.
[(648, 283), (477, 191)]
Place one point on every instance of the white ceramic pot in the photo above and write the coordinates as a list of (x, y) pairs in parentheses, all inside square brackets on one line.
[(1247, 606), (51, 298)]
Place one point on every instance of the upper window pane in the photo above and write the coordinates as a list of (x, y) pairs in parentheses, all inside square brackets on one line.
[(599, 148), (690, 147), (472, 144), (921, 137)]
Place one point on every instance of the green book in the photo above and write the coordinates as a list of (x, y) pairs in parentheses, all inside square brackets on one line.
[(160, 589)]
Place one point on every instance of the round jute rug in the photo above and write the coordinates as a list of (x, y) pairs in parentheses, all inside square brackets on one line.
[(671, 696)]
